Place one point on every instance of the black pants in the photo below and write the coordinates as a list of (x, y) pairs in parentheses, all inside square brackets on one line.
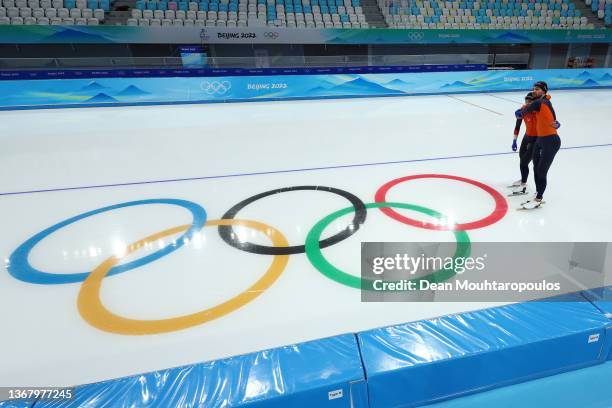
[(546, 147), (526, 155)]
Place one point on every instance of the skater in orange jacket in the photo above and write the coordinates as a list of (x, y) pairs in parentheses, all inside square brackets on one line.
[(527, 145), (547, 142)]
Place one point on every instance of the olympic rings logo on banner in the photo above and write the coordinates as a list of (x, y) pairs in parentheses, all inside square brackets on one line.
[(416, 36), (216, 87), (271, 34), (96, 314)]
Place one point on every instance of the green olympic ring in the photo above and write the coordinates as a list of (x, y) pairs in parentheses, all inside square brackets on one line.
[(316, 258)]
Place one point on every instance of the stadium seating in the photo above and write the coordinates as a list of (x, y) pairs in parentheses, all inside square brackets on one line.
[(250, 13), (317, 14), (54, 12), (474, 14), (603, 10)]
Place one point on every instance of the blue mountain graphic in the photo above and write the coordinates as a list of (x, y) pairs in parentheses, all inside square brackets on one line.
[(318, 90), (75, 36), (92, 86), (133, 90), (457, 84), (584, 75), (101, 98), (398, 82), (606, 77), (361, 85), (590, 82), (512, 37)]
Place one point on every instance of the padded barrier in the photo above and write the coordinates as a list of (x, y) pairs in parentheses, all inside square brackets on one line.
[(585, 388), (602, 299), (423, 362), (407, 365), (321, 373), (17, 404)]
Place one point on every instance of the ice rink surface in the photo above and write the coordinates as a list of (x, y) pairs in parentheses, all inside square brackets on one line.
[(57, 164)]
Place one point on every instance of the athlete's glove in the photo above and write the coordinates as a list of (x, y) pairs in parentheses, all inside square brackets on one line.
[(514, 145), (556, 124), (518, 114)]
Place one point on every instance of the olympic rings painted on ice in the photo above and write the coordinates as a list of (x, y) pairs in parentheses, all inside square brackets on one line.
[(93, 311), (501, 205), (316, 258), (229, 237), (19, 265)]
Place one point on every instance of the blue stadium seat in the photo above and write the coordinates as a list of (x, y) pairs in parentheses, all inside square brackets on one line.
[(152, 5), (140, 5), (69, 4)]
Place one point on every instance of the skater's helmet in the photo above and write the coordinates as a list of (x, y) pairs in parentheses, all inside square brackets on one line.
[(542, 85)]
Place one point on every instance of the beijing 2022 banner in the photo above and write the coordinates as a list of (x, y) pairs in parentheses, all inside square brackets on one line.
[(38, 34), (24, 94)]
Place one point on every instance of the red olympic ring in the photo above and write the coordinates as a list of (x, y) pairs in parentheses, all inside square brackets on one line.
[(501, 205)]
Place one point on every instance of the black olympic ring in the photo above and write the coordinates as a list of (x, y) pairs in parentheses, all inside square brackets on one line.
[(227, 234)]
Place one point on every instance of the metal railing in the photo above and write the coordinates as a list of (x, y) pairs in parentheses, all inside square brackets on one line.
[(492, 60)]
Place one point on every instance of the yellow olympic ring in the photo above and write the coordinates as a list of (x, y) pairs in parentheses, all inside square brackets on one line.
[(93, 311)]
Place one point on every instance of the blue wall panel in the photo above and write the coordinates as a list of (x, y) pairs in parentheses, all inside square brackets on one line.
[(20, 94)]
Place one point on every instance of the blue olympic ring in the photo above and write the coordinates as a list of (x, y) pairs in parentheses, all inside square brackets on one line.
[(19, 266)]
